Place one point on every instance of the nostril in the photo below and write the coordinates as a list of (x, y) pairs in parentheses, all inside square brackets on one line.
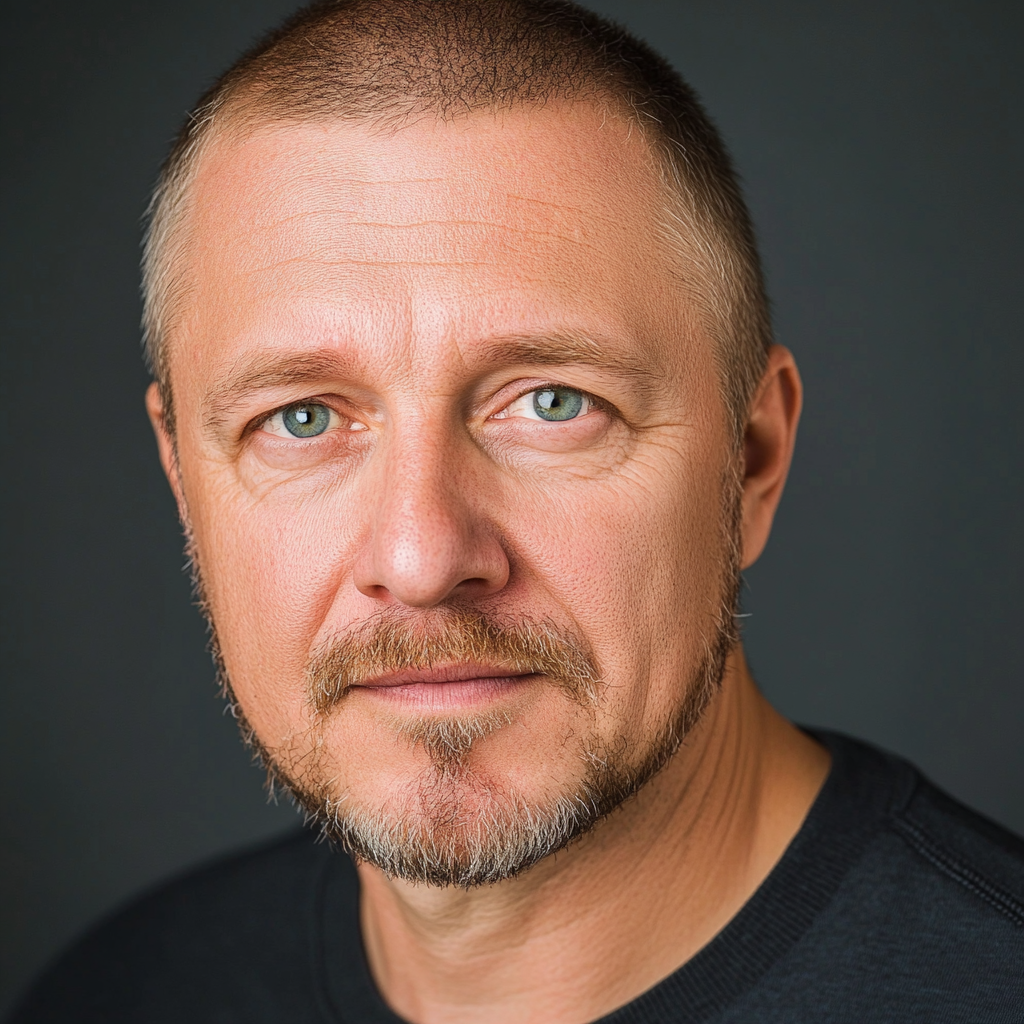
[(475, 584)]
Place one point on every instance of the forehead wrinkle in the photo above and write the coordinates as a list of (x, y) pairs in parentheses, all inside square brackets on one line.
[(471, 222), (356, 195), (485, 228), (382, 262)]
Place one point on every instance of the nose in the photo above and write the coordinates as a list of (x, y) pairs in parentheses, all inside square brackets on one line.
[(428, 541)]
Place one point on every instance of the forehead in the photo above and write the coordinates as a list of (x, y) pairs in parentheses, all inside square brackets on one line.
[(436, 234)]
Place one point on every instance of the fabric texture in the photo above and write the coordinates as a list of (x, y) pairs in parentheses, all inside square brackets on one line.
[(893, 903)]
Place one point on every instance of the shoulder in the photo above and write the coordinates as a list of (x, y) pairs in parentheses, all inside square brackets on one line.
[(969, 850), (946, 842), (928, 921), (229, 941)]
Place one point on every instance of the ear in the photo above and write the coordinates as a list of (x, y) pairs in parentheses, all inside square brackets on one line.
[(768, 448), (165, 444)]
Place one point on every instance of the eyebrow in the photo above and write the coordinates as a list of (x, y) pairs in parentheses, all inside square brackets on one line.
[(558, 349), (288, 369), (261, 374)]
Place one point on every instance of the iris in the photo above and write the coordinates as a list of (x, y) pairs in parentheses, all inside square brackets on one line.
[(557, 403), (306, 419)]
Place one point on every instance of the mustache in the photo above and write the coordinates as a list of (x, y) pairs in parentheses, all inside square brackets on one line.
[(390, 643)]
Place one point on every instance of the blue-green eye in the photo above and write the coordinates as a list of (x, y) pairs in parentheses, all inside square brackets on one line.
[(551, 404), (307, 419), (558, 403)]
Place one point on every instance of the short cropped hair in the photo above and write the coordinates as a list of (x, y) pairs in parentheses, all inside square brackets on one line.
[(384, 62)]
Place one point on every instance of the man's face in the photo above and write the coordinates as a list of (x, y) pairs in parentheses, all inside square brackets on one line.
[(442, 407)]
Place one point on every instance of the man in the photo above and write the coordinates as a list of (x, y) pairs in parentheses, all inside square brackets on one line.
[(466, 392)]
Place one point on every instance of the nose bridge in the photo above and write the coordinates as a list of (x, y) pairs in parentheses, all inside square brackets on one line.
[(420, 494), (428, 536)]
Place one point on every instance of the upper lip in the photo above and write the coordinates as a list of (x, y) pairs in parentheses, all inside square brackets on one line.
[(460, 673)]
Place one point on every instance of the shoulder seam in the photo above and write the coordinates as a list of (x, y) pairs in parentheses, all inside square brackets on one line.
[(950, 866)]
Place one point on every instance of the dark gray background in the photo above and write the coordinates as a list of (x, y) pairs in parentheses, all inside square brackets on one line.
[(881, 146)]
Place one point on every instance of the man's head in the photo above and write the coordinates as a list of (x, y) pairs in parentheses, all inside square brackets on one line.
[(456, 419)]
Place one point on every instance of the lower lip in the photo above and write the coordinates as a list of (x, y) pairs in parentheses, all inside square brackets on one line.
[(450, 696)]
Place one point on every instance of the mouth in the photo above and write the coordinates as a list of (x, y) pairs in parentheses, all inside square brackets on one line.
[(447, 687)]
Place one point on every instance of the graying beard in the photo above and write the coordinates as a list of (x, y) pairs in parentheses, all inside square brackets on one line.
[(498, 843), (507, 837)]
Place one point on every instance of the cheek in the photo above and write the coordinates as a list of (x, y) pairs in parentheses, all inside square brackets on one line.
[(637, 562), (272, 568)]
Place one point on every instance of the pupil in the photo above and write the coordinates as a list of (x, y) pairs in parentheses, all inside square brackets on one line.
[(558, 403)]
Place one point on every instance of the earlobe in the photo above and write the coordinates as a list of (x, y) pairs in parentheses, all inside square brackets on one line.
[(165, 443), (768, 448)]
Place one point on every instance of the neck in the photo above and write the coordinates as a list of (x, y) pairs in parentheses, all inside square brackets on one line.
[(589, 929)]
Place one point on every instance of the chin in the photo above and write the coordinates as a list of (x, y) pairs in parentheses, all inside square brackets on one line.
[(462, 830), (448, 814)]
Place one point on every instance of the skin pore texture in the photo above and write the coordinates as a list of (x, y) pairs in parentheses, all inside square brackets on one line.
[(424, 286)]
